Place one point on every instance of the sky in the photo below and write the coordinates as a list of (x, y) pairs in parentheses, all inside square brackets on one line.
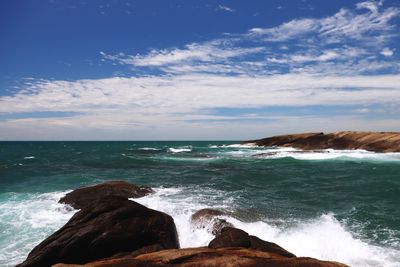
[(197, 70)]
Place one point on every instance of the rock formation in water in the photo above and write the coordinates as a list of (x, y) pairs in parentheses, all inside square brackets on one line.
[(106, 225), (85, 196), (114, 231), (372, 141)]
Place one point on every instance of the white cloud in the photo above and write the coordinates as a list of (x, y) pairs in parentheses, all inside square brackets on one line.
[(212, 51), (139, 108), (387, 52), (304, 62), (225, 8), (337, 44), (343, 25)]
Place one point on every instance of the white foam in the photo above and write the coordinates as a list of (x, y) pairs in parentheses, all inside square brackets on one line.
[(27, 219), (180, 149), (327, 154), (323, 237), (30, 157), (238, 150), (247, 145), (149, 148)]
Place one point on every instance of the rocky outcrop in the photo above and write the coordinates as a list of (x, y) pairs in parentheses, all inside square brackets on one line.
[(372, 141), (207, 257), (111, 225), (232, 237), (111, 230), (210, 219), (86, 196)]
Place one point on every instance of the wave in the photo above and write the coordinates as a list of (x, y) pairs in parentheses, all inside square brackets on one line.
[(243, 151), (323, 237), (247, 145), (200, 159), (30, 218), (180, 149), (328, 154), (30, 157), (149, 149), (27, 219)]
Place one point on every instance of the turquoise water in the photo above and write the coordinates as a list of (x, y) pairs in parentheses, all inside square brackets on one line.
[(340, 205)]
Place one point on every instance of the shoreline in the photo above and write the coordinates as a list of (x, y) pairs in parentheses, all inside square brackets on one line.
[(350, 140)]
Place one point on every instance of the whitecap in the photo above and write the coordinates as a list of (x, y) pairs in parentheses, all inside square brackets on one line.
[(29, 157), (149, 148), (27, 219), (329, 154), (247, 145), (180, 149), (323, 237)]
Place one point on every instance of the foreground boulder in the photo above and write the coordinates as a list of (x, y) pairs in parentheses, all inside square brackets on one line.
[(372, 141), (210, 219), (111, 225), (232, 237), (83, 197), (208, 257)]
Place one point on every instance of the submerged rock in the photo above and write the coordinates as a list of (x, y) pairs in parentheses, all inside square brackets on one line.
[(210, 219), (82, 197), (208, 257), (372, 141), (111, 225)]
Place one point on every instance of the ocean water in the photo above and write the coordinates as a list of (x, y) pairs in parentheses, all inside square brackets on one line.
[(329, 204)]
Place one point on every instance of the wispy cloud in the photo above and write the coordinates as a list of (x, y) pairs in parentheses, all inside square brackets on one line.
[(168, 102), (225, 8), (337, 44), (345, 60), (370, 24)]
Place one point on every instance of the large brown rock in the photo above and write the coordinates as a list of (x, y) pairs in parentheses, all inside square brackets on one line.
[(372, 141), (111, 225), (209, 257), (86, 196)]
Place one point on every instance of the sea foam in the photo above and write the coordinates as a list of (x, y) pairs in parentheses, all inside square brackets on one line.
[(323, 237), (27, 219), (180, 149)]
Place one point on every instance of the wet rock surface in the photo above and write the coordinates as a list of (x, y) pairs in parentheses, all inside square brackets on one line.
[(86, 196), (112, 225), (210, 219)]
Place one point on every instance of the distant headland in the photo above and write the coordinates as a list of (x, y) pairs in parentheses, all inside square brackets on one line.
[(371, 141)]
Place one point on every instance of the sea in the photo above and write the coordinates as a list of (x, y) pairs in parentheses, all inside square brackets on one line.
[(341, 205)]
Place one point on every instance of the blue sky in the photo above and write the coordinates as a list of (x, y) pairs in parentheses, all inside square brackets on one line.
[(165, 70)]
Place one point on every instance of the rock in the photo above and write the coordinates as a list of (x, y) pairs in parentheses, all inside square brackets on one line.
[(111, 225), (372, 141), (206, 214), (209, 257), (218, 225), (261, 245), (85, 196), (232, 237), (209, 219)]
